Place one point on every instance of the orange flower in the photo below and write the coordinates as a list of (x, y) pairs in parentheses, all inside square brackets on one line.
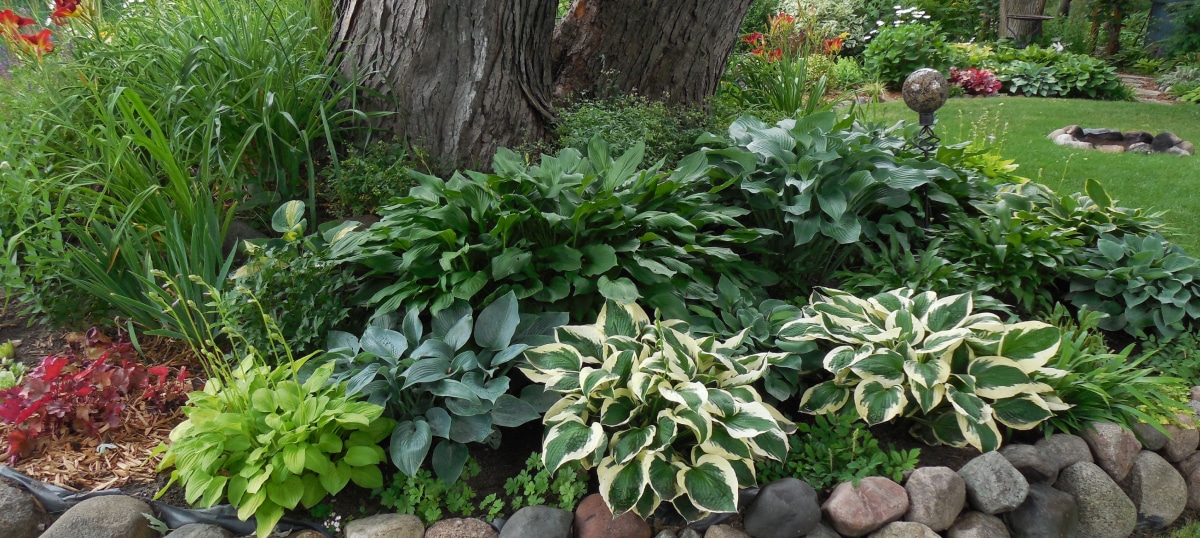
[(752, 39), (833, 46), (39, 43), (775, 55), (10, 22), (65, 9)]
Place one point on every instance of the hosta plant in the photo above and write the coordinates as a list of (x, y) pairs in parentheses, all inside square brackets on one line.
[(1145, 284), (908, 354), (450, 383), (662, 416), (267, 442)]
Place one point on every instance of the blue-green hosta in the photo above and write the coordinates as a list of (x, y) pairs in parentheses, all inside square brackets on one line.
[(903, 354), (662, 416)]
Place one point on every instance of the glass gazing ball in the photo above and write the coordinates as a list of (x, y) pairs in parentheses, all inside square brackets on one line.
[(925, 90)]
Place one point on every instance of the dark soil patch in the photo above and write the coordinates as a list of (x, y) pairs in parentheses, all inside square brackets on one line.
[(33, 340)]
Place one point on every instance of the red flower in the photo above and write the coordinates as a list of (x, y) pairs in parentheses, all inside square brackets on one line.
[(752, 39), (775, 55), (39, 43), (10, 22), (65, 9), (782, 18), (833, 46)]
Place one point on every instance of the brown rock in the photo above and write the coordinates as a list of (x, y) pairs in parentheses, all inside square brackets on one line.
[(1114, 447), (461, 528), (978, 525), (1165, 140), (1192, 480), (593, 519), (1073, 130), (1138, 137), (1111, 148), (1191, 462), (20, 515), (1196, 393), (1182, 439), (935, 496), (904, 529), (857, 511), (1187, 147)]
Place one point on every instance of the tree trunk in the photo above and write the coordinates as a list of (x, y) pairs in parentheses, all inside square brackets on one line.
[(673, 50), (1113, 26), (465, 77), (1064, 8), (1018, 30)]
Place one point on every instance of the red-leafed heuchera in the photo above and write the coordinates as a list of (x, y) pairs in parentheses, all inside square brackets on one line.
[(975, 81), (83, 390)]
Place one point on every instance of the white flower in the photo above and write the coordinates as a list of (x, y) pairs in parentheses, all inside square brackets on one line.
[(925, 17), (896, 7), (878, 23)]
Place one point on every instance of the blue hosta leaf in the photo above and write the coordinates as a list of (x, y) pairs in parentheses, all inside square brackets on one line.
[(409, 444), (384, 342), (448, 460), (511, 411), (497, 323)]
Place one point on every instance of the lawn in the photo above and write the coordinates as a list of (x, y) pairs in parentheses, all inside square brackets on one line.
[(1020, 124)]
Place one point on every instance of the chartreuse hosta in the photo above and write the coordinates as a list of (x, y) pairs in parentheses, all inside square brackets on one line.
[(903, 353), (661, 415)]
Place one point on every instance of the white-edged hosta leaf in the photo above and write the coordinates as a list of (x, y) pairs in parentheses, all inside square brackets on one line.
[(663, 477), (928, 373), (1030, 344), (840, 357), (586, 339), (943, 341), (622, 484), (591, 380), (1000, 377), (711, 484), (927, 398), (619, 409), (878, 402), (691, 395), (948, 312), (570, 407), (911, 331), (967, 404), (750, 420), (554, 357), (825, 397), (1023, 412), (720, 443), (884, 365), (571, 440), (983, 435), (627, 444), (699, 422)]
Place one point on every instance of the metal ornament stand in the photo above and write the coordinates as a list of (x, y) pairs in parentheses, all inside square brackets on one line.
[(927, 141), (925, 91)]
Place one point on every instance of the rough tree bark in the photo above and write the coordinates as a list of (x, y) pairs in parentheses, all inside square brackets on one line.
[(1064, 8), (1017, 30), (673, 50), (465, 77)]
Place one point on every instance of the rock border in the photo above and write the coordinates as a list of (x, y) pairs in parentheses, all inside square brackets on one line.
[(1103, 483), (1113, 141)]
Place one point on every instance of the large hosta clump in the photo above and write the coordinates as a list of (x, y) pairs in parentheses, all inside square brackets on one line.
[(908, 354), (662, 416)]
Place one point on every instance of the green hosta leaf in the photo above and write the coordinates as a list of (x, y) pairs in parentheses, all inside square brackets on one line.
[(448, 460), (948, 312), (621, 290), (885, 366), (288, 493), (569, 441), (267, 515), (289, 217), (293, 458), (663, 477), (999, 377), (510, 411), (878, 402), (336, 479), (622, 484), (1030, 344), (1021, 412), (627, 444), (409, 445), (384, 342), (1111, 249), (368, 477), (511, 261), (467, 289), (967, 404), (711, 484), (598, 259), (497, 323), (426, 370), (825, 397), (471, 429)]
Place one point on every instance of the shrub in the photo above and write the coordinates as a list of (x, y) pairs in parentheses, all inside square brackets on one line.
[(835, 449), (662, 417), (1175, 357), (1143, 283), (367, 179), (825, 182), (451, 383), (1030, 79), (669, 132), (846, 73), (557, 232), (899, 50), (1185, 17), (84, 390), (903, 353), (975, 81)]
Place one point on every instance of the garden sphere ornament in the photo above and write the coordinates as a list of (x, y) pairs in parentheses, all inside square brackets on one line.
[(925, 91)]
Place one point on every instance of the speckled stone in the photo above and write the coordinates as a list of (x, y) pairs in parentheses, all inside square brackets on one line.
[(926, 90)]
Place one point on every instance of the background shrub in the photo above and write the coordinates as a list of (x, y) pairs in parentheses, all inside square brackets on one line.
[(897, 51), (669, 132), (367, 179)]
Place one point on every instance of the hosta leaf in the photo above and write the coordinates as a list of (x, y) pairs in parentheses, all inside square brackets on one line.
[(825, 397), (627, 444), (1021, 412), (497, 323), (555, 357), (943, 341), (750, 420), (983, 435), (598, 259), (287, 493), (711, 484), (511, 411), (510, 262), (1030, 344), (336, 479), (999, 377), (948, 312), (662, 477), (448, 460), (409, 444), (426, 370), (587, 339), (383, 342), (618, 410), (621, 290), (471, 429), (885, 366), (927, 398), (966, 403), (928, 373), (570, 441), (877, 402), (622, 484)]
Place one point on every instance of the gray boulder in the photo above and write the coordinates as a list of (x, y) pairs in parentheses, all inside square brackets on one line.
[(107, 516), (539, 521), (785, 508), (1186, 147), (1157, 490), (1192, 479), (823, 531), (978, 525), (666, 534), (466, 528), (993, 484), (688, 532), (1181, 441), (1104, 510), (1107, 135), (857, 511), (1138, 137), (1113, 446), (1139, 147), (724, 531), (200, 530), (1195, 392), (20, 515), (1151, 438), (936, 495), (1031, 462), (1046, 513), (1165, 140), (387, 526), (1064, 449), (904, 529)]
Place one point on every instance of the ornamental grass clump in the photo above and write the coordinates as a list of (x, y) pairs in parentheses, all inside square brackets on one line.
[(662, 416), (908, 354)]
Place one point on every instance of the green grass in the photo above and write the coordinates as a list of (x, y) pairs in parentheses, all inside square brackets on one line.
[(1162, 182)]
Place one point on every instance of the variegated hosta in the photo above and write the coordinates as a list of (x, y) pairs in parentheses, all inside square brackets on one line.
[(663, 416), (903, 353)]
